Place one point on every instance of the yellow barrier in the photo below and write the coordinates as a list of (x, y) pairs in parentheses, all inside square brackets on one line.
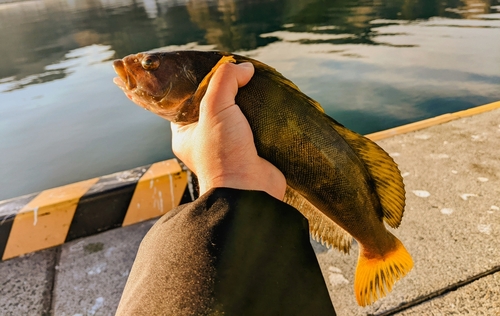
[(432, 121), (54, 216)]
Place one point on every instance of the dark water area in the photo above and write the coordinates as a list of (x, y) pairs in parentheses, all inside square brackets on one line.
[(372, 65)]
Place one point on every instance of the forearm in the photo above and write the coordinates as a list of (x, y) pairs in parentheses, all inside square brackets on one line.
[(233, 251)]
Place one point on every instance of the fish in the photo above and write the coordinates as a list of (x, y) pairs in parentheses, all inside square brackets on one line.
[(342, 182)]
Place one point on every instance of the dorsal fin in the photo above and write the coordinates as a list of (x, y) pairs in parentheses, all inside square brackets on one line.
[(321, 227), (276, 76), (383, 170)]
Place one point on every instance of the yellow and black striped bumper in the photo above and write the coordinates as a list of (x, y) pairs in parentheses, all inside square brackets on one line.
[(55, 216)]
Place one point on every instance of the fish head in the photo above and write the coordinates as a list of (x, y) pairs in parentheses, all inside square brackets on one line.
[(165, 83)]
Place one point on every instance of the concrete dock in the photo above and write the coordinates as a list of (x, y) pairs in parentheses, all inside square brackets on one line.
[(451, 227)]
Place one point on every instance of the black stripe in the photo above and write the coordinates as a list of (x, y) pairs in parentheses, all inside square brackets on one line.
[(186, 196), (8, 211), (105, 204)]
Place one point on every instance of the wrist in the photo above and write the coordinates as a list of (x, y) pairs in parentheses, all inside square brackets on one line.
[(273, 184)]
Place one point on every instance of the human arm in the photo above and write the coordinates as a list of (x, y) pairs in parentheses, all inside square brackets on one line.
[(230, 252)]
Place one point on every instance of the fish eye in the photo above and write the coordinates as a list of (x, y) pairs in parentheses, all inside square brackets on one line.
[(150, 63)]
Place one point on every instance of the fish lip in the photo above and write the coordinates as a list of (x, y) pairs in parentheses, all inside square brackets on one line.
[(126, 82), (124, 79)]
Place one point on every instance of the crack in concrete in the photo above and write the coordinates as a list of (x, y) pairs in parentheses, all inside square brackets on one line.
[(48, 309), (440, 292)]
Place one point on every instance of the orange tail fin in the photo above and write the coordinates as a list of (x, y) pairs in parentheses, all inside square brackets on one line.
[(376, 276)]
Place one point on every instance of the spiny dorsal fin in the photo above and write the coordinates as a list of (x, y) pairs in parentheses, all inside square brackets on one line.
[(322, 228), (278, 77), (383, 170)]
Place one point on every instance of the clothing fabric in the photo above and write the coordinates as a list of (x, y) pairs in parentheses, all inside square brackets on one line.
[(230, 252)]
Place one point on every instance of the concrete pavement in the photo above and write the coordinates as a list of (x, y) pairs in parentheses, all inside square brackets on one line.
[(451, 224), (451, 227)]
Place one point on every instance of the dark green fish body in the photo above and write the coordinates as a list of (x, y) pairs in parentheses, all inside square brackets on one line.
[(342, 182), (316, 160)]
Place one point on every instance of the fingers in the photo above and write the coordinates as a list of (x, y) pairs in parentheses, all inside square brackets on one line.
[(201, 136), (225, 82), (182, 143)]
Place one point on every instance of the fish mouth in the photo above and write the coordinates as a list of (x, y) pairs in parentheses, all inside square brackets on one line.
[(124, 80), (140, 93), (127, 83)]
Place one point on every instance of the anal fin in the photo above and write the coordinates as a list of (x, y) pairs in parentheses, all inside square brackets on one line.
[(321, 227)]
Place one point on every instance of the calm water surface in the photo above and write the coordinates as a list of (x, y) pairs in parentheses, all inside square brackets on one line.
[(371, 64)]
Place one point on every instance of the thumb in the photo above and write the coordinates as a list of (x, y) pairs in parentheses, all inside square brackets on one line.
[(223, 87)]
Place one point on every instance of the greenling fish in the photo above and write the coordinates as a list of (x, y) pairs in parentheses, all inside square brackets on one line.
[(342, 182)]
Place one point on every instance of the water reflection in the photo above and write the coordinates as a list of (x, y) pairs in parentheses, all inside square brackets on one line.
[(371, 64), (39, 33)]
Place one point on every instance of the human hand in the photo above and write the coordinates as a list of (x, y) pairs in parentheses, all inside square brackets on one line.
[(220, 148)]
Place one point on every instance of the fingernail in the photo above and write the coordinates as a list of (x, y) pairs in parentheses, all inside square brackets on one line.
[(246, 64)]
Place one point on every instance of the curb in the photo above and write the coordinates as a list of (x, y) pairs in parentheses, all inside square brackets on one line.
[(52, 217), (433, 121)]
